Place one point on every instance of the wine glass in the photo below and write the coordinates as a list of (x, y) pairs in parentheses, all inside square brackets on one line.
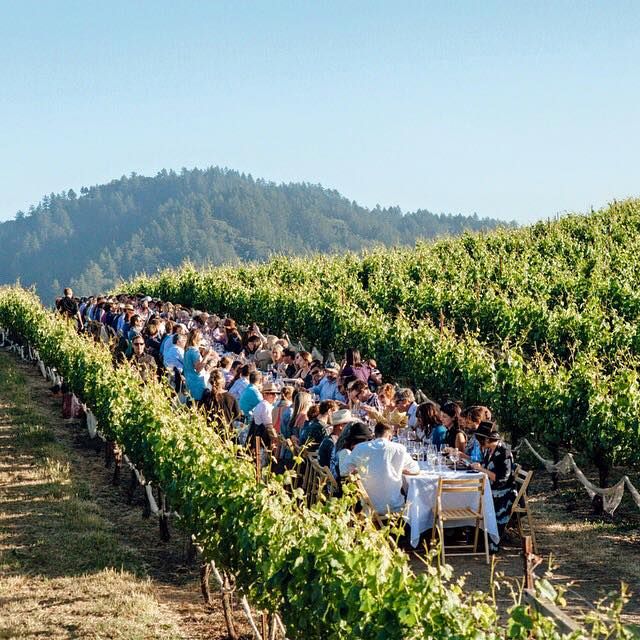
[(455, 456)]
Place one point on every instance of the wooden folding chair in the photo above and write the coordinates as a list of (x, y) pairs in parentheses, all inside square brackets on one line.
[(442, 515), (322, 481), (520, 505), (307, 476), (368, 510)]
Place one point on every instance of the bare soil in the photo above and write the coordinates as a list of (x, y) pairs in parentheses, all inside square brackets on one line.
[(77, 561)]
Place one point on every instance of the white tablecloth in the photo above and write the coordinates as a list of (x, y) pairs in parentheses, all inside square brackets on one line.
[(421, 501)]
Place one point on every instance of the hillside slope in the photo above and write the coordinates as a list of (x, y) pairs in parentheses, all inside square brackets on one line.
[(208, 216)]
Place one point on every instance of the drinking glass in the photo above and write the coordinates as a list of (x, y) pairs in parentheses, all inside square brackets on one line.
[(455, 456)]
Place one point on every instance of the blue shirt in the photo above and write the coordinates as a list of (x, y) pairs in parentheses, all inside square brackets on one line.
[(174, 357), (195, 381), (327, 390), (249, 399), (472, 449), (439, 435)]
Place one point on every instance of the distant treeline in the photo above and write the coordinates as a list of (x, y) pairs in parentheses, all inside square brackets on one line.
[(210, 216)]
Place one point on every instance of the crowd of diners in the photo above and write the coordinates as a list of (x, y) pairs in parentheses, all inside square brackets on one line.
[(266, 387)]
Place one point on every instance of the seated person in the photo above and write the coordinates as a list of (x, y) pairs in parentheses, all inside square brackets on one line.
[(497, 464), (338, 420), (381, 465), (221, 406), (142, 362), (174, 354), (429, 427), (314, 431), (327, 388), (251, 396)]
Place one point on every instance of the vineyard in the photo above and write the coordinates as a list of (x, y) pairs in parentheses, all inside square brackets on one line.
[(327, 573), (540, 324)]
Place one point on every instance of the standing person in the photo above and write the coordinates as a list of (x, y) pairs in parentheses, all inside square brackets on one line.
[(354, 367), (196, 363), (497, 465), (69, 308)]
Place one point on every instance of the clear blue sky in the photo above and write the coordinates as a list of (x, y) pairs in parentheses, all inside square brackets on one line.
[(509, 109)]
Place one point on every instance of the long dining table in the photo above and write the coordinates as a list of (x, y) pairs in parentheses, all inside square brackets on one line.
[(422, 490)]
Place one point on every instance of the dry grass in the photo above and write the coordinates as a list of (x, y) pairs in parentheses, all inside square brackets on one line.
[(60, 559)]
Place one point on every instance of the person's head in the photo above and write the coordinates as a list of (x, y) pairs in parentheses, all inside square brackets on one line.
[(138, 345), (450, 413), (358, 391), (301, 403), (372, 363), (303, 359), (253, 344), (255, 378), (331, 373), (136, 322), (287, 394), (153, 328), (327, 408), (288, 356), (316, 374), (353, 433), (276, 353), (386, 395), (270, 392), (352, 357), (313, 412), (404, 399), (244, 371), (487, 435), (195, 338), (383, 430), (428, 415), (217, 381), (180, 340), (474, 415), (225, 363), (68, 292)]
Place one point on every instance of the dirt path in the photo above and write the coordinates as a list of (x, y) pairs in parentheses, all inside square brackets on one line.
[(591, 555), (76, 561)]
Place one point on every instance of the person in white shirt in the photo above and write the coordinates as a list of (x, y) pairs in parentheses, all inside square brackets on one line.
[(262, 416), (381, 465)]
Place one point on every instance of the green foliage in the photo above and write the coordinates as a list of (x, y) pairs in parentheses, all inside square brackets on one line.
[(541, 323), (213, 216), (328, 574)]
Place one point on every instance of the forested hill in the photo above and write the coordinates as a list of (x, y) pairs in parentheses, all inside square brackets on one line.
[(208, 216)]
